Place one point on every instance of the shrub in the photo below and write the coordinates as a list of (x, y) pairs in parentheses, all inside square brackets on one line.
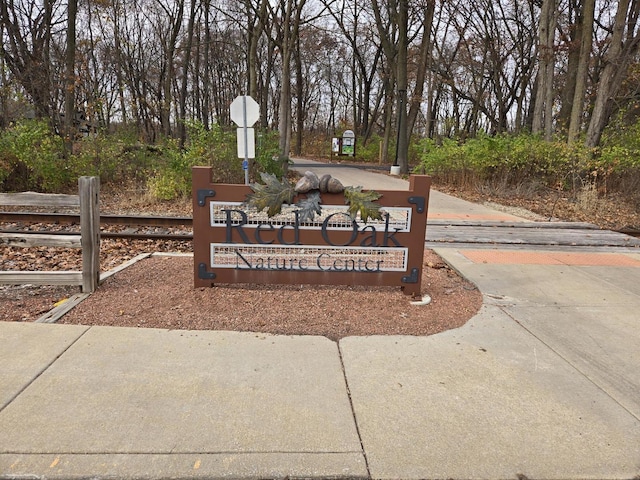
[(370, 152), (118, 157), (618, 164), (267, 154), (505, 160), (172, 176), (8, 163), (31, 151), (216, 148)]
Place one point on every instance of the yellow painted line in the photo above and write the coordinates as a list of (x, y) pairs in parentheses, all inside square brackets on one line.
[(196, 465), (55, 462)]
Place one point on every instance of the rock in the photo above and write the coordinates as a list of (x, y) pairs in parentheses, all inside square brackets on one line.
[(304, 185), (315, 181), (324, 181), (335, 186), (308, 182), (326, 184)]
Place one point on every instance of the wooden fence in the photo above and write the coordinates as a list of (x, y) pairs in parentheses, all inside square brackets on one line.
[(88, 240)]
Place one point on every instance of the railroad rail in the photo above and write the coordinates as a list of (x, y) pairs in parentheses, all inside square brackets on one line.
[(439, 232), (136, 221)]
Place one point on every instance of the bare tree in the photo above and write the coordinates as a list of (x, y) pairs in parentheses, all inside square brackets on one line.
[(256, 20), (185, 74), (70, 77), (5, 90), (26, 50), (586, 38), (423, 62), (393, 24), (543, 110), (285, 21), (346, 64), (169, 43), (402, 146), (366, 52), (623, 45)]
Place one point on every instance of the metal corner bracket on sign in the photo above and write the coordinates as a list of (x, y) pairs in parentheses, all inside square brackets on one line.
[(419, 202), (412, 278), (203, 273), (203, 194)]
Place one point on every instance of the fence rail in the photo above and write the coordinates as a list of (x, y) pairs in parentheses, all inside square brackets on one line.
[(87, 201)]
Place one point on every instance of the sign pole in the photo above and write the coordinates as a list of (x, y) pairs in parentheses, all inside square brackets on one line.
[(245, 164)]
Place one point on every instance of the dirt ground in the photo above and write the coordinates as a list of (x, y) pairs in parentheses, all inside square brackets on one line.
[(158, 292)]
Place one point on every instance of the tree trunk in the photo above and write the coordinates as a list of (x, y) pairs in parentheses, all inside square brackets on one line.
[(616, 62), (185, 75), (572, 41), (119, 64), (297, 148), (423, 64), (263, 91), (197, 93), (70, 78), (284, 112), (402, 147), (575, 121), (290, 24), (255, 32), (542, 115), (206, 83), (170, 48), (4, 92), (388, 116)]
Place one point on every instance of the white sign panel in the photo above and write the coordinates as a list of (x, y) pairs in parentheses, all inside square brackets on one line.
[(251, 143), (245, 111)]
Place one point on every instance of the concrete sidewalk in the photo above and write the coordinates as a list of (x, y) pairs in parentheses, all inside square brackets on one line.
[(141, 403), (543, 383)]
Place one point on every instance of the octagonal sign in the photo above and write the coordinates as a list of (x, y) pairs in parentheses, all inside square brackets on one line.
[(245, 111)]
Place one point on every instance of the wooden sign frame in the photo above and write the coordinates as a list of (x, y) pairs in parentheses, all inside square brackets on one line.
[(234, 245)]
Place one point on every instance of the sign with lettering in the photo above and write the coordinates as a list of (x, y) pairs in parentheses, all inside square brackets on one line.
[(236, 244)]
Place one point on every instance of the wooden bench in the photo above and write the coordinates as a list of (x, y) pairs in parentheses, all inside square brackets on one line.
[(88, 240)]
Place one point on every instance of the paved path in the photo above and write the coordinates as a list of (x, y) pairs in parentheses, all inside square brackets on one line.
[(440, 204), (544, 383)]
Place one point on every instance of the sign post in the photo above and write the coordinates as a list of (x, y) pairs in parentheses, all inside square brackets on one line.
[(245, 111)]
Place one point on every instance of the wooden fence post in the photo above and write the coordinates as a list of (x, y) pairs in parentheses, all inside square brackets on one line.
[(89, 192)]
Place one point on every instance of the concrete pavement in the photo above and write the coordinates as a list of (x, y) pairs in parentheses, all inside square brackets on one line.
[(143, 403), (441, 206), (544, 383)]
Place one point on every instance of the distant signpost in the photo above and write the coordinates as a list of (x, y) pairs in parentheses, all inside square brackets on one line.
[(245, 112)]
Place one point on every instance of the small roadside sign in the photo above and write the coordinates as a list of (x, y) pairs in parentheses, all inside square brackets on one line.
[(244, 112), (250, 144)]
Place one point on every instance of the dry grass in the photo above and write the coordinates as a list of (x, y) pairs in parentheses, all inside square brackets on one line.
[(587, 199)]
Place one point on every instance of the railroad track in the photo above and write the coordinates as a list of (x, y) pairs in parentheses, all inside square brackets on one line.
[(135, 226), (439, 232)]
